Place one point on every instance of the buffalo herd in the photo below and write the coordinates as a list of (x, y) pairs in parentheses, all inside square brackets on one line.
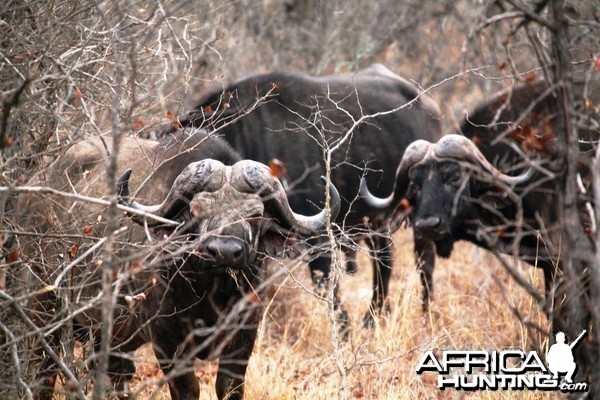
[(255, 168), (371, 117)]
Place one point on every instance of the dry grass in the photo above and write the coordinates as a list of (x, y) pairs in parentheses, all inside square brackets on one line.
[(294, 356)]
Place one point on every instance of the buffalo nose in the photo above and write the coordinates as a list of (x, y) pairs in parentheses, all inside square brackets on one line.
[(427, 226), (227, 252)]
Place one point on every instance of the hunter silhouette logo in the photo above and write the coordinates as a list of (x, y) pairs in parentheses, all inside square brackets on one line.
[(508, 369), (560, 356)]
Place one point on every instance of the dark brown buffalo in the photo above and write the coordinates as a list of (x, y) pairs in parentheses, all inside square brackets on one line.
[(456, 190), (293, 117), (192, 287)]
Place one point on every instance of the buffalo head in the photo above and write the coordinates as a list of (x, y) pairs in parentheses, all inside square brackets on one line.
[(231, 213), (443, 183)]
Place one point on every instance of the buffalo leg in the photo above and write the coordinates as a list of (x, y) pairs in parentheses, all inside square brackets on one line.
[(381, 248), (350, 259), (234, 360), (46, 377), (320, 266), (120, 371), (48, 370), (184, 384), (121, 368), (425, 257)]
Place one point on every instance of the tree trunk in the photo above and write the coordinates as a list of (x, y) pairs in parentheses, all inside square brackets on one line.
[(572, 304)]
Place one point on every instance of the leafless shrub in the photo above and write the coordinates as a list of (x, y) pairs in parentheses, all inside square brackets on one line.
[(73, 69)]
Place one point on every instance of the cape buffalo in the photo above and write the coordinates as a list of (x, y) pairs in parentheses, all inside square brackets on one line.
[(372, 115), (189, 282), (455, 190)]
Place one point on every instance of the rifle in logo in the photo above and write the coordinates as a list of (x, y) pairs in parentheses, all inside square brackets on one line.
[(560, 356)]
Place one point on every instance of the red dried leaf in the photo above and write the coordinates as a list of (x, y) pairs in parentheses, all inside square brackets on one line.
[(520, 133), (530, 77), (170, 115), (87, 231), (405, 204), (51, 381), (537, 136), (71, 386), (208, 109), (275, 86), (139, 124), (77, 94), (136, 266), (358, 392), (253, 297), (73, 250), (13, 255), (278, 168), (588, 105)]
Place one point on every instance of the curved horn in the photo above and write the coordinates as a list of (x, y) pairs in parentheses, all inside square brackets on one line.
[(461, 148), (123, 193), (196, 177), (303, 223), (256, 177), (412, 155)]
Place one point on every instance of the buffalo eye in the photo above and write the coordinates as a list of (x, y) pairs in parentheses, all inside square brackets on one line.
[(256, 223), (416, 178), (414, 187), (454, 178)]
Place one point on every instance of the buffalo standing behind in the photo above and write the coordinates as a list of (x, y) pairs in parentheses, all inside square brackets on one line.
[(372, 114), (456, 190)]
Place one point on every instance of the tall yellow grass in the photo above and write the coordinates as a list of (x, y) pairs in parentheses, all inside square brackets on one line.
[(295, 358)]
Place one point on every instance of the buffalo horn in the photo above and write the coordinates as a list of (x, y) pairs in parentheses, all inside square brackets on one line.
[(461, 148), (412, 155), (257, 177), (194, 178), (303, 223)]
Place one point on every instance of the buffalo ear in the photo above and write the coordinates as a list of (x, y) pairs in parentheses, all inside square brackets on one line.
[(195, 209), (274, 243), (280, 244), (161, 232), (478, 187)]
